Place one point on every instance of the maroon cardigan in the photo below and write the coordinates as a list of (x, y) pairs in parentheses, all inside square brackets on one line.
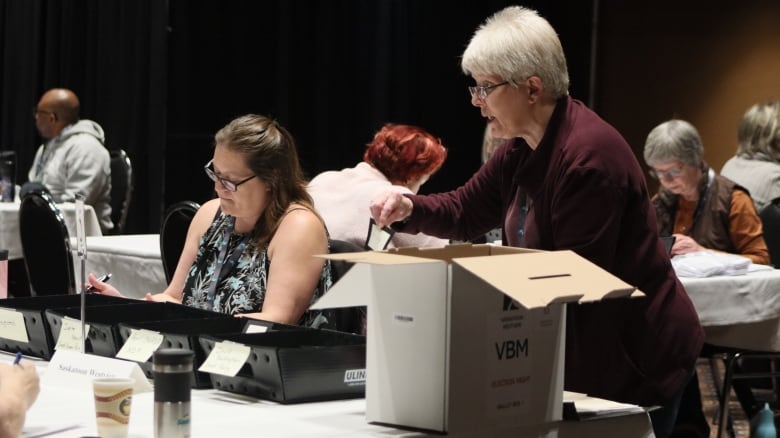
[(587, 193)]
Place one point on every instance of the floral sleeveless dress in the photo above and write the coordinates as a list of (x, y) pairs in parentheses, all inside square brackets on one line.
[(242, 288)]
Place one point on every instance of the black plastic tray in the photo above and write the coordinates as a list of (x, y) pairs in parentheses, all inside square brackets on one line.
[(293, 366), (103, 338), (184, 334), (40, 343)]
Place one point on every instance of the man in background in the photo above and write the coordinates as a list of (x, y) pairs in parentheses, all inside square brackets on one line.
[(73, 158)]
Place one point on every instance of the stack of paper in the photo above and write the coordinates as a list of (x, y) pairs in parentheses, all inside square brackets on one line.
[(709, 263), (578, 406)]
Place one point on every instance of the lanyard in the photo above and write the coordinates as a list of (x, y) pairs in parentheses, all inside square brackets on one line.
[(225, 263), (525, 204)]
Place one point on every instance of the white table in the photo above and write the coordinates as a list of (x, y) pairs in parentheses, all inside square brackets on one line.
[(739, 311), (133, 260), (218, 413), (9, 225)]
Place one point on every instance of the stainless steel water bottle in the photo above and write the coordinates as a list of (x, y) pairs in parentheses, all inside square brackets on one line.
[(172, 368)]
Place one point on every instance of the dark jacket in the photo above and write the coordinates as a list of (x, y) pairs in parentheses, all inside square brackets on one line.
[(711, 225), (587, 193)]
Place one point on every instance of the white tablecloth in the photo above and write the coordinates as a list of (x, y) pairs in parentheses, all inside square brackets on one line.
[(221, 414), (9, 225), (739, 311), (133, 260)]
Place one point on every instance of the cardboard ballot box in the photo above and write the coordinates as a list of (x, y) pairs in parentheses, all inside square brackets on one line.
[(467, 337)]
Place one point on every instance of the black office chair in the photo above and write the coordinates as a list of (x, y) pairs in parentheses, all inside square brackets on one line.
[(121, 188), (45, 245), (173, 233), (770, 219)]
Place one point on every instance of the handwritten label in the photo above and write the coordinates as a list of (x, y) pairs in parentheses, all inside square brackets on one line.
[(226, 358), (12, 325), (255, 328), (140, 345), (70, 335)]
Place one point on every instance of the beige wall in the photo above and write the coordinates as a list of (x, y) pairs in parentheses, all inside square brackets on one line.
[(705, 62)]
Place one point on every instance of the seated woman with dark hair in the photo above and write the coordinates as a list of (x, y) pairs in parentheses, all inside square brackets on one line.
[(251, 252), (400, 155), (701, 209)]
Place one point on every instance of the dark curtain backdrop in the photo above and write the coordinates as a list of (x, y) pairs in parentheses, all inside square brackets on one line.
[(112, 54), (162, 77)]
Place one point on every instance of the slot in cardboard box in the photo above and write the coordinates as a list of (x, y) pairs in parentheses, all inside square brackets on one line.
[(467, 337)]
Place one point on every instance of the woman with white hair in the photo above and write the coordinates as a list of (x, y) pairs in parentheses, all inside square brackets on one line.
[(565, 179)]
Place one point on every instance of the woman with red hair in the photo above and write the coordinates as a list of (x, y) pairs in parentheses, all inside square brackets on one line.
[(399, 155)]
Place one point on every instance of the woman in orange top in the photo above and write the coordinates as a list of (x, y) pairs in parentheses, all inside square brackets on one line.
[(701, 209)]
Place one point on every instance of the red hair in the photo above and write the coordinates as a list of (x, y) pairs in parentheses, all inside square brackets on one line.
[(404, 153)]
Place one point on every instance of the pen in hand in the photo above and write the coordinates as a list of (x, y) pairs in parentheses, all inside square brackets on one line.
[(104, 279), (18, 358)]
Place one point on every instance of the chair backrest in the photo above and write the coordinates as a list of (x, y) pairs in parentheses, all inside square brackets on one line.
[(121, 188), (173, 233), (340, 267), (45, 245), (346, 319), (770, 220)]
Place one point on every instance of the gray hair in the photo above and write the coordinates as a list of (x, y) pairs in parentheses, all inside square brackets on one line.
[(674, 140), (759, 131), (515, 44)]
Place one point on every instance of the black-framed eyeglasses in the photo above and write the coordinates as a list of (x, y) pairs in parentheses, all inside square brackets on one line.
[(482, 91), (226, 183), (665, 174)]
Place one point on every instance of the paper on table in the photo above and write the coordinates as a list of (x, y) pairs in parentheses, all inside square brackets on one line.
[(709, 263), (587, 407)]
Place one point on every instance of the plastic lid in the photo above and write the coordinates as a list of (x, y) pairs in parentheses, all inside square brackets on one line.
[(173, 356)]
